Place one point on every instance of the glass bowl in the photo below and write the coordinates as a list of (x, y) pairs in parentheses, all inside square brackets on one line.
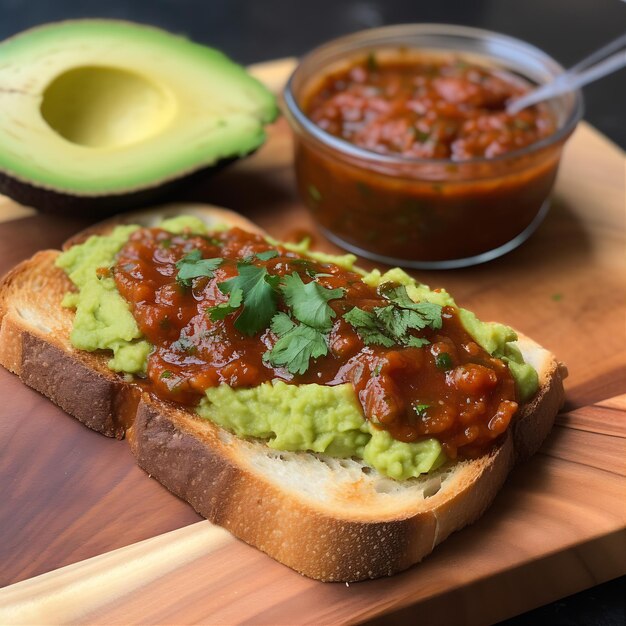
[(426, 213)]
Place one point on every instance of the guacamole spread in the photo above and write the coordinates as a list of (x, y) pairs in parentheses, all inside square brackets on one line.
[(338, 412), (103, 320), (318, 418)]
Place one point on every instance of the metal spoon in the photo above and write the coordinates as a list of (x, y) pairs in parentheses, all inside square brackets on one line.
[(606, 60)]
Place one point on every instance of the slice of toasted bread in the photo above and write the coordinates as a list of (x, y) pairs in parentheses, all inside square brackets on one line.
[(330, 519)]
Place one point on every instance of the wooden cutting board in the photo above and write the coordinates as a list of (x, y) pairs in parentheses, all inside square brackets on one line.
[(131, 552)]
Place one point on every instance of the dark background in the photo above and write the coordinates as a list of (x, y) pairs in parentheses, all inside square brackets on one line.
[(258, 30)]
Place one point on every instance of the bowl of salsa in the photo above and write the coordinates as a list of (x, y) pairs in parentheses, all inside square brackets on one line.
[(404, 151)]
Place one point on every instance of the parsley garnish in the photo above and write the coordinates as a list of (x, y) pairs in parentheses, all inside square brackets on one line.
[(417, 342), (309, 302), (443, 361), (192, 266), (430, 312), (220, 311), (256, 289), (308, 267), (166, 374), (372, 62), (281, 324), (521, 124), (315, 194), (389, 325), (367, 327), (420, 409), (298, 343), (267, 255), (421, 136), (397, 321), (296, 346)]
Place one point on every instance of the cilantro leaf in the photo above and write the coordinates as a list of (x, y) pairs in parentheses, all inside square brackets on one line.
[(308, 267), (360, 318), (314, 192), (297, 346), (281, 324), (309, 302), (194, 255), (396, 293), (258, 296), (443, 361), (220, 311), (372, 62), (388, 326), (395, 321), (273, 281), (267, 255), (192, 266), (417, 342), (430, 312), (420, 409), (367, 328)]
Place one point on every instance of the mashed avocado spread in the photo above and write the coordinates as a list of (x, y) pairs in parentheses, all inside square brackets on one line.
[(102, 320), (318, 418)]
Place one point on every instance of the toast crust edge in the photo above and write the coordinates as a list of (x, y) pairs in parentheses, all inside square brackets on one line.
[(209, 476)]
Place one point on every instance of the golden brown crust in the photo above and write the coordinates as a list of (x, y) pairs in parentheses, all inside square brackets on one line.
[(34, 344), (536, 418), (352, 526), (318, 544)]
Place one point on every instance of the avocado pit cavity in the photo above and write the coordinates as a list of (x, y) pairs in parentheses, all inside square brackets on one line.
[(106, 107), (104, 115)]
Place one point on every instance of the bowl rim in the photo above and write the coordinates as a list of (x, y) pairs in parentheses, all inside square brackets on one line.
[(359, 38)]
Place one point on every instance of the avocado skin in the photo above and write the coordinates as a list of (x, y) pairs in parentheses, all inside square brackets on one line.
[(48, 198), (62, 203)]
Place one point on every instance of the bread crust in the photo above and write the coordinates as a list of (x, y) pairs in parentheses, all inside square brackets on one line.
[(35, 345), (357, 525), (325, 543)]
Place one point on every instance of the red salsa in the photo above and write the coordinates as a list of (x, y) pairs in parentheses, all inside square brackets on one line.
[(444, 173), (427, 110), (436, 381)]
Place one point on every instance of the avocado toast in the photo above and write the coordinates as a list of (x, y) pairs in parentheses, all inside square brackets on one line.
[(328, 517)]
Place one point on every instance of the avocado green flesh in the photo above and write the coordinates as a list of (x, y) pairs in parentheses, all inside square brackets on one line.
[(317, 418), (95, 107), (496, 339), (311, 417), (103, 320)]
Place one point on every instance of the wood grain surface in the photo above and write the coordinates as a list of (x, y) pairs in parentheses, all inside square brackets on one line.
[(557, 527), (69, 494)]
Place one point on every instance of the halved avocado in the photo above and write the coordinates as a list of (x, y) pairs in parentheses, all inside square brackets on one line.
[(108, 115)]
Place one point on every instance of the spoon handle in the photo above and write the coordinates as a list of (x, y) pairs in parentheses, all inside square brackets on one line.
[(591, 68), (613, 46)]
